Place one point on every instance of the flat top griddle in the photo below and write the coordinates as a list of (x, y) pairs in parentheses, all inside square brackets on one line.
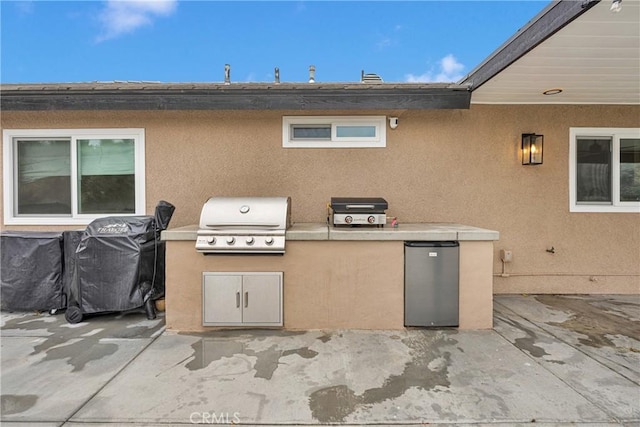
[(359, 204)]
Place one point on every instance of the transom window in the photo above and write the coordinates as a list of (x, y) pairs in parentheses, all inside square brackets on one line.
[(71, 176), (604, 170), (333, 132)]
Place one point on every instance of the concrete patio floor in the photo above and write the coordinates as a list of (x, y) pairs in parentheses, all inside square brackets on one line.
[(549, 360)]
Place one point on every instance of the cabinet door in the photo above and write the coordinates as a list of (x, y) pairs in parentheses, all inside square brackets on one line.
[(222, 299), (262, 299)]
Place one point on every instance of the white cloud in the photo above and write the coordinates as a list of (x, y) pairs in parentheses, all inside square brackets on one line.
[(125, 16), (384, 43), (385, 40), (25, 7), (449, 70), (300, 7)]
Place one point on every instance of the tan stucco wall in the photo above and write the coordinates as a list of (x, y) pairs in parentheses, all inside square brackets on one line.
[(329, 284), (439, 166), (476, 286)]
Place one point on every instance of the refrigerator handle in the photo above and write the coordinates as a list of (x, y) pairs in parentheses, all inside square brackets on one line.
[(430, 244)]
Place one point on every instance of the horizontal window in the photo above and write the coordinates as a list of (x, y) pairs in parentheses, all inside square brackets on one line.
[(72, 176), (604, 170), (333, 132), (310, 132)]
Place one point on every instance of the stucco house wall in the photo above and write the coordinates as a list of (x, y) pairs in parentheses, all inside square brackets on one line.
[(458, 166)]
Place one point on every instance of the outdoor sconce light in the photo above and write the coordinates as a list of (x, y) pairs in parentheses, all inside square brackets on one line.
[(532, 149)]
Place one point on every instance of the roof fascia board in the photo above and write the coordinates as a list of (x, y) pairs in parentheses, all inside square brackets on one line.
[(37, 99), (549, 21)]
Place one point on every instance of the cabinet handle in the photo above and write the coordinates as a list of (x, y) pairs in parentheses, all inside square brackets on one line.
[(237, 299), (246, 299)]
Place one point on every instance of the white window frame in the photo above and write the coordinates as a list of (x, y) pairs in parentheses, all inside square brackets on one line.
[(378, 141), (615, 134), (9, 171)]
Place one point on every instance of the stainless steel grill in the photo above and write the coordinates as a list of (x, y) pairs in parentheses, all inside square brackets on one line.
[(250, 225)]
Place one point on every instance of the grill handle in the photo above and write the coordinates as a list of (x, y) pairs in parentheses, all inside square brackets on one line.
[(242, 225), (360, 207)]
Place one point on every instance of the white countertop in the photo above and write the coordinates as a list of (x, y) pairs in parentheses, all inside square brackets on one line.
[(321, 231)]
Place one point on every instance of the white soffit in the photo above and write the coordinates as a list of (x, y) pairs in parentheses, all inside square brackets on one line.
[(594, 59)]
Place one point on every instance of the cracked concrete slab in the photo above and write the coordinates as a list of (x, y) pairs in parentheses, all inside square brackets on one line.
[(413, 376), (605, 327), (31, 424), (614, 394), (545, 362), (49, 369)]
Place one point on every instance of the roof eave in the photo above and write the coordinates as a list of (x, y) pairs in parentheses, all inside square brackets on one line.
[(549, 21), (240, 97)]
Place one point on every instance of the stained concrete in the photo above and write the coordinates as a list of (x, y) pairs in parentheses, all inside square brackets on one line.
[(50, 368), (550, 360), (614, 394), (606, 328)]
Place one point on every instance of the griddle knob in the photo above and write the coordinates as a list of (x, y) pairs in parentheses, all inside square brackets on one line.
[(269, 241), (231, 240), (348, 219), (371, 219), (211, 240)]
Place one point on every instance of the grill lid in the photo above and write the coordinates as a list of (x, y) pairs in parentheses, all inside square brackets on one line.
[(246, 213), (359, 204)]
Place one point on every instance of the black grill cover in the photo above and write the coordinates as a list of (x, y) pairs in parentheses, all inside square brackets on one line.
[(115, 264), (32, 271), (119, 262), (71, 240)]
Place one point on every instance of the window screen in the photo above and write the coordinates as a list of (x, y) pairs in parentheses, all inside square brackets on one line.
[(311, 132), (593, 170), (106, 176), (355, 131), (629, 170), (43, 177)]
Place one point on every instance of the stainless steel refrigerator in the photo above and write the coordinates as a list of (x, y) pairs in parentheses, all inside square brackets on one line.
[(431, 289)]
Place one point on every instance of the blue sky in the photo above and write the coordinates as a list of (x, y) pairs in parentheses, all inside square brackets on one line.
[(191, 41)]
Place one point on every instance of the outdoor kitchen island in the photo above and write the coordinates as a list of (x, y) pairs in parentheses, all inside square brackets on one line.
[(334, 278)]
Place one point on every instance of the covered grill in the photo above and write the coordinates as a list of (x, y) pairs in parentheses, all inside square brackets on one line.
[(244, 225)]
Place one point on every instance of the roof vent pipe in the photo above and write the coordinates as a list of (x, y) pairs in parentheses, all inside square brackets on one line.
[(277, 74), (227, 74), (312, 73)]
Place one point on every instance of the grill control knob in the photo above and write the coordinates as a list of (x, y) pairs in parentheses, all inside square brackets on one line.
[(250, 241), (348, 219), (231, 240), (371, 219), (269, 241), (211, 240)]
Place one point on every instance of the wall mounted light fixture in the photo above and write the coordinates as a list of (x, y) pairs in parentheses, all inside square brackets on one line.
[(532, 147)]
